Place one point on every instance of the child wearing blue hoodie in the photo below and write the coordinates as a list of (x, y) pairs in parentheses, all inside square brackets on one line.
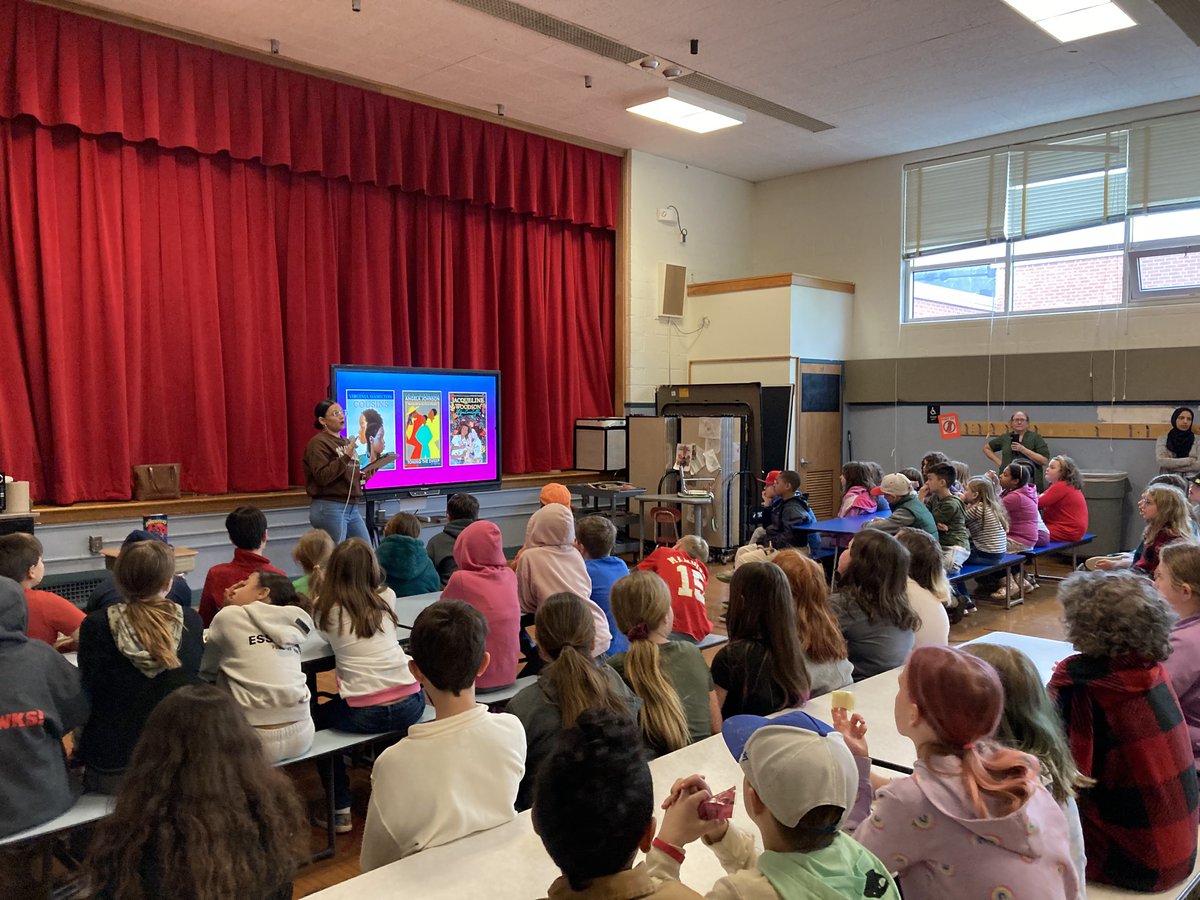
[(595, 537), (404, 559)]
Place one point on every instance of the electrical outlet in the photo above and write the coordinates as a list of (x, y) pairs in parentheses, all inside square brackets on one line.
[(95, 543), (666, 214)]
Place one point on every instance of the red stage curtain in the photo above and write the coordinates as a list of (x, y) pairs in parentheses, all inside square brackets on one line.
[(174, 306), (66, 69), (188, 240)]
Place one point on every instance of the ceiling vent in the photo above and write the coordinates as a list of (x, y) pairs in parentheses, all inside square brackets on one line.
[(599, 44)]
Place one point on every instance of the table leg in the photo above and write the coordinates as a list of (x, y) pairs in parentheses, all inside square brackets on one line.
[(699, 520)]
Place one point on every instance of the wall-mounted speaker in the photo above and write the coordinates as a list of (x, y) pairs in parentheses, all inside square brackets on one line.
[(674, 290)]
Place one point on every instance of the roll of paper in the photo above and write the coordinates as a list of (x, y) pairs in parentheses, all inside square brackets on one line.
[(18, 497)]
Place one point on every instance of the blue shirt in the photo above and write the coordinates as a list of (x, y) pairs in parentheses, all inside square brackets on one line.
[(605, 572)]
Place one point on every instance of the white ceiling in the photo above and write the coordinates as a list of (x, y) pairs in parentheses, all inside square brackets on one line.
[(892, 75)]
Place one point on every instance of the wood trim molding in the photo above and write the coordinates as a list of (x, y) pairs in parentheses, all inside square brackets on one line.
[(200, 40), (621, 305), (740, 359), (215, 504), (762, 282), (1106, 430)]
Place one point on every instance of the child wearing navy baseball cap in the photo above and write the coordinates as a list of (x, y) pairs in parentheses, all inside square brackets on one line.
[(801, 786)]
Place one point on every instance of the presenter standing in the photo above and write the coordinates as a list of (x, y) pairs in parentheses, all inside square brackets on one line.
[(331, 476), (1020, 444)]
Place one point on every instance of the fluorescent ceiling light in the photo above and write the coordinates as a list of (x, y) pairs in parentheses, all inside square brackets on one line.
[(687, 111), (1071, 20), (1036, 10), (1087, 22)]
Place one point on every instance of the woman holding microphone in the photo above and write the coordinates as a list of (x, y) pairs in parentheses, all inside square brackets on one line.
[(331, 476)]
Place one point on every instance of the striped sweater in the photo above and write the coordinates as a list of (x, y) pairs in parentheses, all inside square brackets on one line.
[(987, 531)]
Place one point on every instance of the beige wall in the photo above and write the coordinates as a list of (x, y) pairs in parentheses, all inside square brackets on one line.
[(845, 223), (715, 210)]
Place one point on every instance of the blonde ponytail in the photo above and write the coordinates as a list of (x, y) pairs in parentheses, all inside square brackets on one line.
[(143, 574), (152, 621), (641, 603)]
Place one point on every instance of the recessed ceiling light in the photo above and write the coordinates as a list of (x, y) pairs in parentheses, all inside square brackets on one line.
[(686, 111), (1036, 10), (1071, 20), (1086, 22)]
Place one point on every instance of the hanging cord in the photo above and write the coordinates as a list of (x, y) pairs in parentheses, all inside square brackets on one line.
[(679, 224)]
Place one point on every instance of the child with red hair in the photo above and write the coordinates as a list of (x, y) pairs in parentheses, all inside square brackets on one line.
[(973, 820)]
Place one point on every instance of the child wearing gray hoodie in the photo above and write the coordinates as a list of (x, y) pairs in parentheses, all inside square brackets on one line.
[(253, 651), (40, 701)]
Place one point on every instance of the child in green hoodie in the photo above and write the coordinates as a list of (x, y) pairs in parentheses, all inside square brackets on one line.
[(406, 565), (801, 785), (949, 514)]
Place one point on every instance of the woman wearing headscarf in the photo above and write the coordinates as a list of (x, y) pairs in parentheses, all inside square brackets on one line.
[(1178, 450)]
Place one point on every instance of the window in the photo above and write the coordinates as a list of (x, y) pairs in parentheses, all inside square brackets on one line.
[(1089, 221), (1165, 256)]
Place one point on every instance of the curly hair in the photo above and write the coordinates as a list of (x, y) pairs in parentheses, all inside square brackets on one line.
[(1116, 613), (200, 811), (1068, 472), (1174, 514)]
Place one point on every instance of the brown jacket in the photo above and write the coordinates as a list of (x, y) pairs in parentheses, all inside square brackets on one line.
[(328, 473), (631, 884)]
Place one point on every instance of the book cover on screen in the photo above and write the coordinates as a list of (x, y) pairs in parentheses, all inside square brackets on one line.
[(422, 430), (468, 428), (371, 417)]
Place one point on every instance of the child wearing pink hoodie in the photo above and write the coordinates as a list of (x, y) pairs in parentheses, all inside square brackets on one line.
[(484, 580), (973, 820), (1019, 496), (552, 564)]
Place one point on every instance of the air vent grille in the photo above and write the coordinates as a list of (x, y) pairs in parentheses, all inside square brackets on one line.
[(560, 30), (700, 82), (594, 42), (818, 485)]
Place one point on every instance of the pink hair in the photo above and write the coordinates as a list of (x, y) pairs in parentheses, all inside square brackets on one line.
[(962, 699)]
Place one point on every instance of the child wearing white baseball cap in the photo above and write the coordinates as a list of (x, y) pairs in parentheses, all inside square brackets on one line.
[(801, 785)]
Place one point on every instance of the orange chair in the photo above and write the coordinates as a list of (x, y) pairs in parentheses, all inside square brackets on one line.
[(665, 516)]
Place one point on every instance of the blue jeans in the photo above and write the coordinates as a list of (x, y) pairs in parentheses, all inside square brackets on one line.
[(977, 558), (980, 558), (339, 519), (337, 713)]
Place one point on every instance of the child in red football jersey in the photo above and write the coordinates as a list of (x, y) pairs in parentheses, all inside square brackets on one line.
[(683, 568)]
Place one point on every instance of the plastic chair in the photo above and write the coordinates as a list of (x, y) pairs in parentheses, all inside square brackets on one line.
[(665, 515)]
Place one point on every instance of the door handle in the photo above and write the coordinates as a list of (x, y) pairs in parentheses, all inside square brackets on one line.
[(803, 462)]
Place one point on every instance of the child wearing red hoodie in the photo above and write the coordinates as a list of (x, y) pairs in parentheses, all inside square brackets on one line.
[(484, 580)]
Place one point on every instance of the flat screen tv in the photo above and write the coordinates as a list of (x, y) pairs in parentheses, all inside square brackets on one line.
[(442, 424)]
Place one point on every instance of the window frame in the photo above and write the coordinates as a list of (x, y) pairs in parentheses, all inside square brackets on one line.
[(1132, 297), (1150, 249)]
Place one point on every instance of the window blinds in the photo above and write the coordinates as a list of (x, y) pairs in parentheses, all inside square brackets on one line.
[(1063, 185), (1164, 164), (958, 203), (1052, 186)]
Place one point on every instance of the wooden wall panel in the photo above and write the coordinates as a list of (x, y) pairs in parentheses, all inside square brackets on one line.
[(1135, 376)]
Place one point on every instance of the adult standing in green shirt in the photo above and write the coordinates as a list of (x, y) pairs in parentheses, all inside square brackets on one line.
[(1022, 445)]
